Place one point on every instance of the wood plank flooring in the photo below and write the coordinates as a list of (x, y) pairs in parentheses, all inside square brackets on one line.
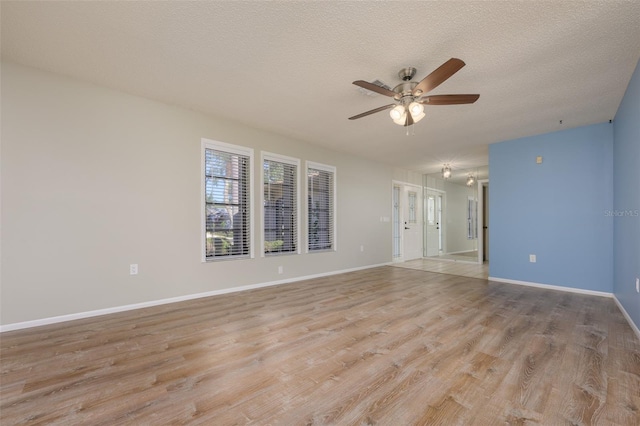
[(465, 269), (384, 346)]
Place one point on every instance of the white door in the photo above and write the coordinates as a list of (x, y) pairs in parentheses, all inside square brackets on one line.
[(434, 222), (411, 207)]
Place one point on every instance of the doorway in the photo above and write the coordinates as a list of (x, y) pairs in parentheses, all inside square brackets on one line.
[(483, 219), (452, 219), (407, 221)]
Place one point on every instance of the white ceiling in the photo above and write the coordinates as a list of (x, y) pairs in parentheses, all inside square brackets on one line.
[(288, 66)]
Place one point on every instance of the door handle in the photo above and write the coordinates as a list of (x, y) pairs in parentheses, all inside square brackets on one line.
[(406, 227)]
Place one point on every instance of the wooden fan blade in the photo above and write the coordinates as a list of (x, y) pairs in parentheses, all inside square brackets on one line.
[(373, 111), (375, 88), (448, 99), (438, 76)]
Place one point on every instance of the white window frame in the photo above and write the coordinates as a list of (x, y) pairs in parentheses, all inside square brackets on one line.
[(334, 220), (233, 149), (269, 156)]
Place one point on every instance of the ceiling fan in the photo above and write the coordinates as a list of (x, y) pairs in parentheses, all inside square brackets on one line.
[(409, 96)]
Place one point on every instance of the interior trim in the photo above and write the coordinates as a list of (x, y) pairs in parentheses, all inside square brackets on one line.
[(553, 287), (634, 327), (116, 309)]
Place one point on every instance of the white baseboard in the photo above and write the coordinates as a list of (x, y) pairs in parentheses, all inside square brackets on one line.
[(626, 315), (106, 311), (552, 287), (458, 252), (634, 327)]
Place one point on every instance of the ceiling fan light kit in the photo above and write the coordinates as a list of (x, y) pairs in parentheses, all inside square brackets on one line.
[(397, 112), (416, 109), (409, 96)]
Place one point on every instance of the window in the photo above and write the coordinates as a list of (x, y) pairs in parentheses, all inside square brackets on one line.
[(412, 206), (431, 210), (280, 201), (321, 203), (227, 201), (472, 218)]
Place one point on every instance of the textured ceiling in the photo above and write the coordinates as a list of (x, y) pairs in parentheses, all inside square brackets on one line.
[(288, 66)]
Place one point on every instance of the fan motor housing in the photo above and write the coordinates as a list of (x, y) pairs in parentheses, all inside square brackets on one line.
[(407, 74), (405, 89)]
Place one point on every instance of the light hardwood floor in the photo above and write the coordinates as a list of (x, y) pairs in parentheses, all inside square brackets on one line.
[(465, 269), (384, 346)]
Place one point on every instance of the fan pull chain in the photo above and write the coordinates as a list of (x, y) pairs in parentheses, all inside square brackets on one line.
[(413, 130)]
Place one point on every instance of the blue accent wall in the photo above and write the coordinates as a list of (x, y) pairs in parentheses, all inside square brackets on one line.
[(626, 189), (557, 210)]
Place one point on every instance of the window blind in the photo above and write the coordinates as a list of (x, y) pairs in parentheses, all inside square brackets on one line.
[(280, 207), (227, 204), (320, 190)]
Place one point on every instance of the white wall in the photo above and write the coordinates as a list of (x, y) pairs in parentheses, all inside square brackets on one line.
[(94, 180), (407, 176)]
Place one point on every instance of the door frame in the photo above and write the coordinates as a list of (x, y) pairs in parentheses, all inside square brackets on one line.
[(401, 212), (443, 207), (481, 183)]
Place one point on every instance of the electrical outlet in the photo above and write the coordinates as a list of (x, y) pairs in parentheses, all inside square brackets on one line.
[(532, 258), (280, 269), (361, 248), (133, 269)]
